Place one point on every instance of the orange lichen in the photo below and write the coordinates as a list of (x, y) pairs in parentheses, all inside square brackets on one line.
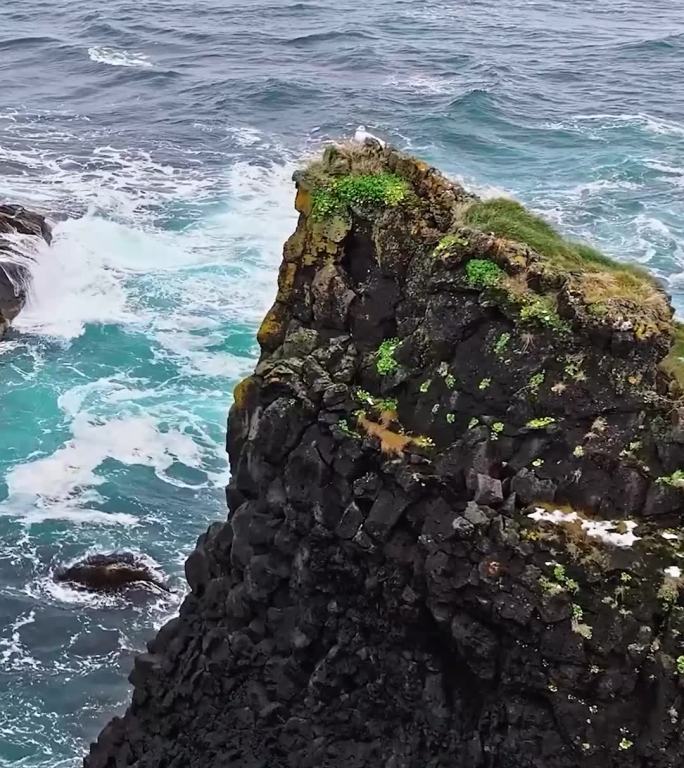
[(242, 391), (391, 443), (303, 201), (272, 329)]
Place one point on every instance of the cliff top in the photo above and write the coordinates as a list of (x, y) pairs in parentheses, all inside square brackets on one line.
[(521, 260)]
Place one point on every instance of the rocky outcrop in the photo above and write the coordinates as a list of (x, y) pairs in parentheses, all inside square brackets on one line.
[(20, 233), (454, 507), (110, 572)]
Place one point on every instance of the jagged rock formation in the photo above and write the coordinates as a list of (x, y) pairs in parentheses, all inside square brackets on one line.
[(110, 572), (20, 230), (456, 488)]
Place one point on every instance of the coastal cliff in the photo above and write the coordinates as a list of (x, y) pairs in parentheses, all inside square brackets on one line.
[(20, 232), (455, 503)]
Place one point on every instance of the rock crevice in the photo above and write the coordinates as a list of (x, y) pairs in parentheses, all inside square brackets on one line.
[(455, 503)]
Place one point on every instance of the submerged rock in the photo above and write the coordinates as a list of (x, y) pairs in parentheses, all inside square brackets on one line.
[(456, 501), (20, 233), (110, 572)]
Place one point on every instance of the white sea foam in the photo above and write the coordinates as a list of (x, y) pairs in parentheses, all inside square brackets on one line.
[(13, 654), (103, 54), (53, 486)]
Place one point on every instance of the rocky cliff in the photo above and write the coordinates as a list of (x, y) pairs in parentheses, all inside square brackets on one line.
[(20, 233), (456, 489)]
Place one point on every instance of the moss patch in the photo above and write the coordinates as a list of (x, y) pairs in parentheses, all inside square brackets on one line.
[(482, 273), (365, 190)]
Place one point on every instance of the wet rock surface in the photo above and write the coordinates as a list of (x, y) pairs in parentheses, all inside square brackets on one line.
[(454, 511), (20, 233), (110, 572)]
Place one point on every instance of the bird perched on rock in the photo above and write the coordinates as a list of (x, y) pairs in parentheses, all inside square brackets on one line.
[(362, 136)]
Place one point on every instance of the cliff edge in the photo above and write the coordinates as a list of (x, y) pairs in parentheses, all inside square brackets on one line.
[(455, 504)]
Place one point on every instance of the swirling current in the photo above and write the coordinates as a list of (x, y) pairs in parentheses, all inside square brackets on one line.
[(159, 137)]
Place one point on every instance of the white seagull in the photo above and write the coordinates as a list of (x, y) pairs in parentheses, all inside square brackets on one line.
[(362, 136)]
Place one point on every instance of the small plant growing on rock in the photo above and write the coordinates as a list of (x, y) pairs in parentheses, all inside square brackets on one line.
[(451, 418), (675, 480), (385, 362), (484, 384), (541, 311), (625, 744), (540, 423), (578, 452), (450, 381), (425, 386), (450, 241), (559, 583), (535, 382), (538, 463), (680, 664), (344, 427), (473, 422), (501, 344), (482, 273), (424, 442)]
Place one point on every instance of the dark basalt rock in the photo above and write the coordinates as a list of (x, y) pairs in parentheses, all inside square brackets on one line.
[(109, 572), (20, 232), (447, 541)]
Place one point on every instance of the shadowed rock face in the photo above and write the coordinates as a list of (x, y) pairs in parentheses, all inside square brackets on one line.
[(454, 508), (20, 232), (108, 573)]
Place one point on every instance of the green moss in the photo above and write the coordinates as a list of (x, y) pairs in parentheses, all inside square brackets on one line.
[(367, 190), (385, 362), (680, 665), (450, 241), (676, 479), (376, 403), (482, 273), (540, 423)]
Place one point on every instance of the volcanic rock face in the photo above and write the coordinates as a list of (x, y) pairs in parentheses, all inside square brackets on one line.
[(456, 475), (20, 231)]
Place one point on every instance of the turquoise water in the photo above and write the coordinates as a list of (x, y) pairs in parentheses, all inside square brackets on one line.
[(160, 138)]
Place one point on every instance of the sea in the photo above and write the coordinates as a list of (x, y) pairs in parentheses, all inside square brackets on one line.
[(160, 137)]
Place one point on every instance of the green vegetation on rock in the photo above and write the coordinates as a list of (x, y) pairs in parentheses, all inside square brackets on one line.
[(540, 423), (507, 218), (676, 479), (482, 273), (367, 190), (541, 310), (386, 364)]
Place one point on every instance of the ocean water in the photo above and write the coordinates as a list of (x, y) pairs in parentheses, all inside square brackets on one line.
[(160, 137)]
